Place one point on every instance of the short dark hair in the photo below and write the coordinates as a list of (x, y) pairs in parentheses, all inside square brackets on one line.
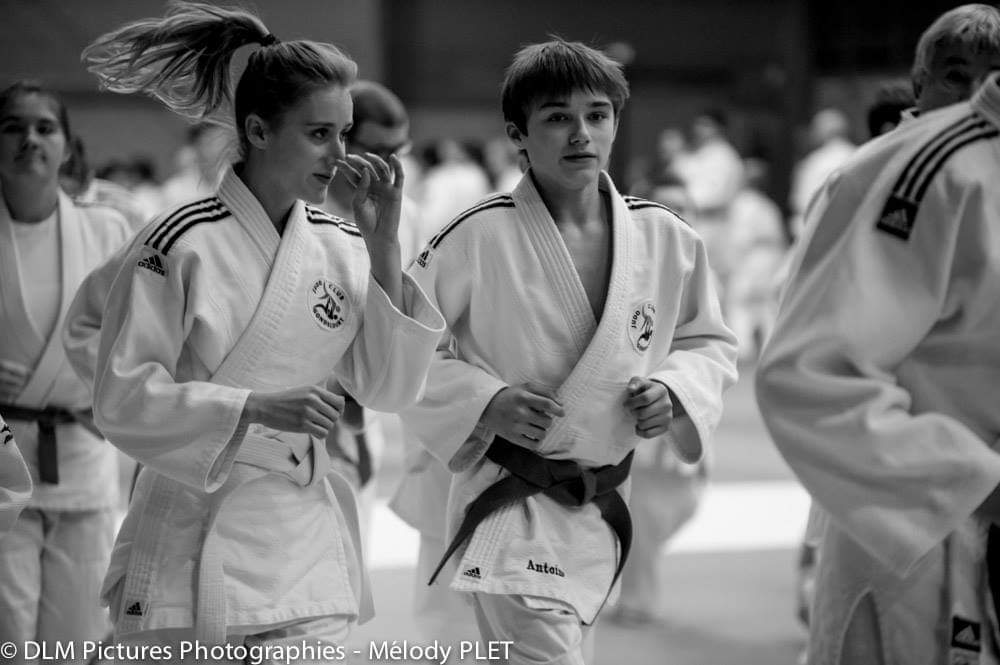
[(557, 68), (373, 102), (24, 87), (891, 99)]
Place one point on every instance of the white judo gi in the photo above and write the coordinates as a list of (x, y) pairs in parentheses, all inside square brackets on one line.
[(877, 386), (54, 557), (516, 311), (238, 530), (15, 480)]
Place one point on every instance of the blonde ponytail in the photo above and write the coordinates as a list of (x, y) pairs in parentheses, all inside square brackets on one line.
[(182, 59)]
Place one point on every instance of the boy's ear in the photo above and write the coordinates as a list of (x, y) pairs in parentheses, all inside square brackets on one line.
[(514, 134), (256, 131)]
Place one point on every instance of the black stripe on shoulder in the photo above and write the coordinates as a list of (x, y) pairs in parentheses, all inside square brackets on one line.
[(915, 167), (319, 216), (900, 212), (211, 204), (190, 222), (642, 204), (499, 201), (987, 131)]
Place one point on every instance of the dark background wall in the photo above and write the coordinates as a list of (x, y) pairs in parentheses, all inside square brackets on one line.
[(770, 63)]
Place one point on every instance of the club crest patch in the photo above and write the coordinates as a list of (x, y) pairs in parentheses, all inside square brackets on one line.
[(641, 326), (153, 261), (328, 304)]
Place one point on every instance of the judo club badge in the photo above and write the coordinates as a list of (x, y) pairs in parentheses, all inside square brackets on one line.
[(328, 304), (641, 325)]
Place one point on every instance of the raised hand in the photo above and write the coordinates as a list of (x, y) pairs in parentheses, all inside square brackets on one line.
[(650, 404), (309, 409), (378, 195), (522, 414)]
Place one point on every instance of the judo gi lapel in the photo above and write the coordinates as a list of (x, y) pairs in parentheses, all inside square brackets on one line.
[(21, 339), (600, 343), (570, 296), (44, 375), (284, 254)]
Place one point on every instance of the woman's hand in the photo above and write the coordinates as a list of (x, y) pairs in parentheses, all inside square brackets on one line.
[(308, 409), (378, 195)]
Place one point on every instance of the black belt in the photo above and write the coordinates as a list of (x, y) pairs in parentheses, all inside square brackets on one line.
[(362, 463), (993, 565), (565, 481), (47, 419)]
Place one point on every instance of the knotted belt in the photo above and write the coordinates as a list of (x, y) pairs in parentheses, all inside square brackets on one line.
[(565, 481), (47, 419)]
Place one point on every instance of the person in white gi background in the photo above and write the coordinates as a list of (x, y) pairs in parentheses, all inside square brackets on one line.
[(876, 383), (958, 49), (381, 126), (580, 323), (53, 559), (828, 136), (226, 320)]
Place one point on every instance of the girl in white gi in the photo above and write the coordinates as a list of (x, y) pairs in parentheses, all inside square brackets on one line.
[(15, 480), (53, 559), (226, 320), (580, 322)]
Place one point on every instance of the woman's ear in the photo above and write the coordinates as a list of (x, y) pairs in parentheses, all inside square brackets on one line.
[(257, 132)]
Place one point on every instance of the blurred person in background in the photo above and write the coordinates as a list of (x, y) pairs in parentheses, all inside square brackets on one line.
[(452, 183), (712, 171), (502, 159), (828, 138), (200, 165), (80, 182), (380, 126), (886, 111), (756, 247), (53, 559)]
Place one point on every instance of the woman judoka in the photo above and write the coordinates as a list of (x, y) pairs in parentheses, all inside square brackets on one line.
[(224, 324)]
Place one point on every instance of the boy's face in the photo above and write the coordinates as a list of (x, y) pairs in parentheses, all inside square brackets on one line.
[(953, 76), (569, 139)]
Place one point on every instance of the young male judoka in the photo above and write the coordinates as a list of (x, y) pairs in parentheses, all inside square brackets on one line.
[(579, 323), (878, 388)]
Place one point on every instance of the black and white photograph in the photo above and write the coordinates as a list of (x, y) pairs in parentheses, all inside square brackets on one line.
[(531, 332)]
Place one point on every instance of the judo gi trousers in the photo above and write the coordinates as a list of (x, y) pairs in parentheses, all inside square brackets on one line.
[(52, 563), (315, 641)]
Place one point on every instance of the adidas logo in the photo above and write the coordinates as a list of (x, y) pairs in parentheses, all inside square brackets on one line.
[(965, 634), (153, 263), (134, 610), (897, 219), (545, 568), (473, 573), (425, 258)]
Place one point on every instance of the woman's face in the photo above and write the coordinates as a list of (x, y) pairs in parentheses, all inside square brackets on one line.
[(33, 144), (303, 147)]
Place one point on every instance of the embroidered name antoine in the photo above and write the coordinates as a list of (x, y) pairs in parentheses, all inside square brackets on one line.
[(543, 567)]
